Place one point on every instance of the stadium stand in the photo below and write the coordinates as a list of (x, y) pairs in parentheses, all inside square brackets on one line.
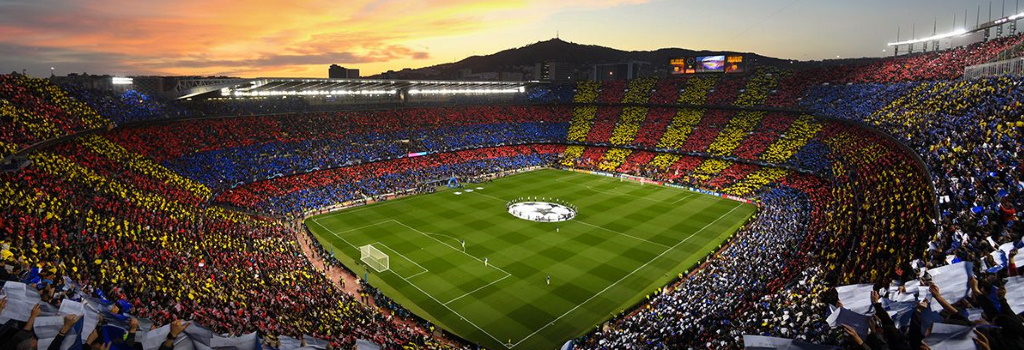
[(34, 110), (875, 174)]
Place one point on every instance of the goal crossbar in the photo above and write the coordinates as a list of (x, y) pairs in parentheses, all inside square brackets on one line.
[(374, 258)]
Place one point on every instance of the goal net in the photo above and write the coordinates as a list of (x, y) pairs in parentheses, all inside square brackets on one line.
[(374, 258), (641, 180)]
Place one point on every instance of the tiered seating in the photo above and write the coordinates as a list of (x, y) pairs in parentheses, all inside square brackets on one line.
[(89, 211), (613, 159), (603, 124), (654, 126), (638, 162), (611, 91), (791, 88), (573, 155), (695, 92), (948, 64), (796, 137), (629, 122), (222, 153), (739, 127), (632, 117), (583, 115), (680, 166), (896, 202), (754, 180), (732, 174), (772, 126), (962, 130), (127, 106), (108, 160), (704, 134), (592, 156), (845, 205), (666, 91), (686, 119), (709, 168), (758, 88), (306, 192), (744, 122), (34, 110), (664, 160), (725, 91)]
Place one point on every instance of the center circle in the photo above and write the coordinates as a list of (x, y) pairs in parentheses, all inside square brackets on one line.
[(541, 211)]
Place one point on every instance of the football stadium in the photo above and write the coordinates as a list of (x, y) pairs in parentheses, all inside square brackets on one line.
[(575, 197)]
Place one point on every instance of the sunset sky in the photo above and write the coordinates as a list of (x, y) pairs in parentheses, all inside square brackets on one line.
[(301, 38)]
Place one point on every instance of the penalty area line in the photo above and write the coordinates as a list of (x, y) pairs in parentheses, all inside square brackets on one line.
[(463, 318), (406, 279), (474, 291), (627, 275), (449, 246)]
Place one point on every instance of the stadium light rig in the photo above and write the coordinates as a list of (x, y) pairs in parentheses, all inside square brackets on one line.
[(121, 81), (240, 93), (957, 32), (466, 91)]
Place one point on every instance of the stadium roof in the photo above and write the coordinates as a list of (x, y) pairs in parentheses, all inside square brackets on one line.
[(325, 87)]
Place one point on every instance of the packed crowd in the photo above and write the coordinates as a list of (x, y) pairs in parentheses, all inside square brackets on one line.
[(34, 110), (942, 65), (850, 199), (698, 311), (295, 195), (223, 153), (890, 219), (968, 133), (126, 106), (123, 227)]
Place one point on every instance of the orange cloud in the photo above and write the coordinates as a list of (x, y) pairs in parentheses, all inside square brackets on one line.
[(253, 38)]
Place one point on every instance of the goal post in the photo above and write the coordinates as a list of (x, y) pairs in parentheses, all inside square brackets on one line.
[(374, 258), (632, 178)]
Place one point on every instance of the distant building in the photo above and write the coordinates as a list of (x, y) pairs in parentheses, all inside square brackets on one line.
[(339, 72), (554, 71), (622, 71)]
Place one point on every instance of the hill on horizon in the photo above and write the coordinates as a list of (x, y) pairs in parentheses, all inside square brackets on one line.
[(583, 54)]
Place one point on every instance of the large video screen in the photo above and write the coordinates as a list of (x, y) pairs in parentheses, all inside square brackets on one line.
[(734, 64), (682, 65), (708, 64)]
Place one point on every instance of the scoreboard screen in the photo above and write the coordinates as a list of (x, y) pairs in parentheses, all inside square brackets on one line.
[(685, 65), (706, 64), (734, 64), (727, 64)]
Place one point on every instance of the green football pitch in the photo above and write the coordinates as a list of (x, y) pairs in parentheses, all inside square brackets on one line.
[(626, 241)]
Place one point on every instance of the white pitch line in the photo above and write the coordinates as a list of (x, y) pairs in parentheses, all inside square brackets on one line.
[(449, 245), (490, 196), (418, 273), (688, 195), (621, 233), (474, 291), (316, 221), (567, 177), (449, 308), (627, 194), (406, 279), (403, 257), (626, 276)]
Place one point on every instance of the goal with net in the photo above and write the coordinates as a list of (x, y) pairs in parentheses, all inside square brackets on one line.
[(641, 180), (374, 258)]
